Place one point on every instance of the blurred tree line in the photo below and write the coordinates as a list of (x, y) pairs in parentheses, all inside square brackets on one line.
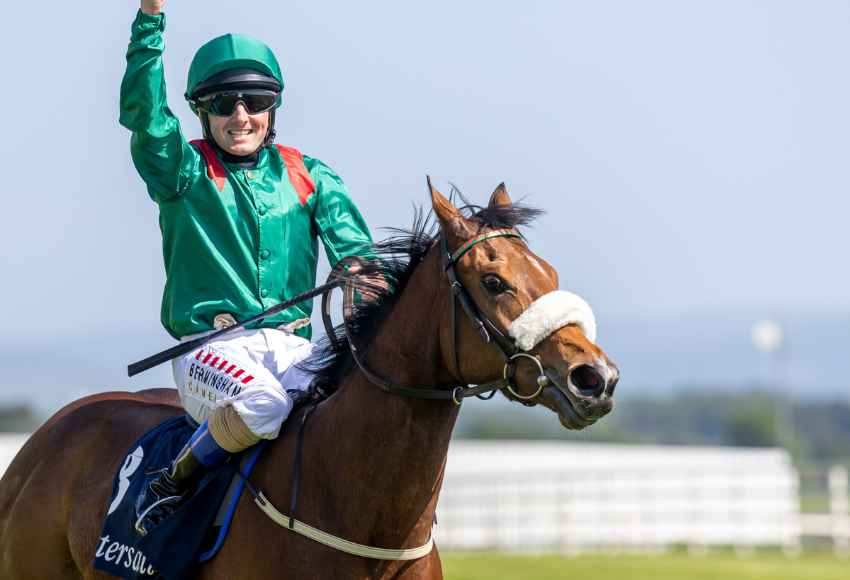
[(815, 432)]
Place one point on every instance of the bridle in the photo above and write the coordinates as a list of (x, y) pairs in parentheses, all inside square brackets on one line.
[(508, 347), (488, 330), (490, 333)]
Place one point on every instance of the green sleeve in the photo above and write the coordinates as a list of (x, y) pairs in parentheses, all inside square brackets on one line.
[(340, 226), (163, 158)]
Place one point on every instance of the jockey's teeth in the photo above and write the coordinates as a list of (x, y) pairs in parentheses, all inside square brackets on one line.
[(242, 132)]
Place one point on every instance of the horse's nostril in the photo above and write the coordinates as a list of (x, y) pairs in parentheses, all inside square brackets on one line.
[(587, 380)]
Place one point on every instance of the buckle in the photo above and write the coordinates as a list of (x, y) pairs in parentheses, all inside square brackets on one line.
[(455, 392)]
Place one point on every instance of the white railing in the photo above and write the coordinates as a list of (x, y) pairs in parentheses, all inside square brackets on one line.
[(571, 497), (835, 524), (10, 443), (840, 509)]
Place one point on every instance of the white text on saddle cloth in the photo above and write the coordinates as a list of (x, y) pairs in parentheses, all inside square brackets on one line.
[(549, 313)]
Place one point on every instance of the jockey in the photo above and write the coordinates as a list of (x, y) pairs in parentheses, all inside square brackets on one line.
[(239, 236)]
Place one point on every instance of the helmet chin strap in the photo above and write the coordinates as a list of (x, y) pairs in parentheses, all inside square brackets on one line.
[(270, 135), (205, 126)]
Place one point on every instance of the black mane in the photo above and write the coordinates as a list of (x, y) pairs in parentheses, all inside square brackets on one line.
[(397, 258)]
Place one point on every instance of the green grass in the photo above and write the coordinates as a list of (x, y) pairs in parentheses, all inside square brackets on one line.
[(486, 566), (818, 504)]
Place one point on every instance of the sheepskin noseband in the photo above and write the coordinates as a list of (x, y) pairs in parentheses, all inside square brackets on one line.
[(549, 313)]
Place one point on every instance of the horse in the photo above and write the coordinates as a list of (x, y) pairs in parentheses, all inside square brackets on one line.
[(373, 462)]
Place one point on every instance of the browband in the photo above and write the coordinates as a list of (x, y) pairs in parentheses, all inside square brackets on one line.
[(501, 233)]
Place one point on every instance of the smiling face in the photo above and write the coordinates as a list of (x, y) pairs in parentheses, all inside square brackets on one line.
[(240, 134)]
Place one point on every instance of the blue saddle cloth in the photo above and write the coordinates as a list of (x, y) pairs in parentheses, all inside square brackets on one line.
[(192, 534)]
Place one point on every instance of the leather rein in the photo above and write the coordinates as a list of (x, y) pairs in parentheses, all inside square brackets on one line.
[(488, 330), (490, 333)]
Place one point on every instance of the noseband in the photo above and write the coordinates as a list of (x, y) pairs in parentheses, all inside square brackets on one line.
[(488, 330)]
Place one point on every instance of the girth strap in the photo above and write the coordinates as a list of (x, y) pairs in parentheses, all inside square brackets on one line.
[(339, 543), (291, 523)]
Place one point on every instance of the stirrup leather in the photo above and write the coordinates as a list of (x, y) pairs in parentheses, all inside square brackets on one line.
[(159, 505), (166, 491)]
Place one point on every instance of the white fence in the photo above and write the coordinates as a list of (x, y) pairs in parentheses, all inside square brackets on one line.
[(834, 524), (10, 443), (570, 497)]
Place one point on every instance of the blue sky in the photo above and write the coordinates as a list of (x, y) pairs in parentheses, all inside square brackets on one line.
[(691, 156)]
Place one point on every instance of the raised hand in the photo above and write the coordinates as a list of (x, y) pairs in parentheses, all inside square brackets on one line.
[(371, 284), (152, 7)]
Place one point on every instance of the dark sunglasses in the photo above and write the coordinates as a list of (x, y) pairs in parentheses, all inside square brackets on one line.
[(223, 104)]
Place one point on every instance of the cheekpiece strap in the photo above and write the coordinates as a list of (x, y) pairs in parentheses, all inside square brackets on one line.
[(502, 233)]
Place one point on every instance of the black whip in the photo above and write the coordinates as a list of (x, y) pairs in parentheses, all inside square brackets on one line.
[(190, 345)]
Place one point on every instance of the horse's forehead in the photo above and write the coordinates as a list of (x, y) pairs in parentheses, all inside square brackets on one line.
[(519, 260), (522, 258), (541, 266)]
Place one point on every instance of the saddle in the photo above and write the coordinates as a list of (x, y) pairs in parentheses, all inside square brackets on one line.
[(193, 534)]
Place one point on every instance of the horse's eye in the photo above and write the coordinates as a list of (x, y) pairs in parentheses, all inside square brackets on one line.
[(493, 284)]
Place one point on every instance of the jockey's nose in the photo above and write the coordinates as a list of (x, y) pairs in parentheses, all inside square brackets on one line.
[(240, 112)]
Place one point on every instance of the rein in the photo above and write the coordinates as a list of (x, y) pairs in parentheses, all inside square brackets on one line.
[(490, 333), (190, 345), (488, 330)]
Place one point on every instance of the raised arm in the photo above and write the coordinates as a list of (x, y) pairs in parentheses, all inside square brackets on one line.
[(163, 158)]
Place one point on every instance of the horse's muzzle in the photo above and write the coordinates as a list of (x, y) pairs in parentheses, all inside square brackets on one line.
[(585, 396)]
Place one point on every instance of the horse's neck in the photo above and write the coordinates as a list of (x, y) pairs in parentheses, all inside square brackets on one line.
[(385, 455), (377, 459)]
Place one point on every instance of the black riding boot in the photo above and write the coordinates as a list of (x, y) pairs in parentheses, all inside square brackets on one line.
[(167, 491)]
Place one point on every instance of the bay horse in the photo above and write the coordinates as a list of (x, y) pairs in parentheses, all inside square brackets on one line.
[(373, 462)]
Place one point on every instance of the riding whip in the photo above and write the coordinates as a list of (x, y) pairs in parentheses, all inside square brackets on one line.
[(190, 345)]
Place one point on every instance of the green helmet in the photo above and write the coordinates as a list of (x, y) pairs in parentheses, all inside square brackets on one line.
[(233, 60)]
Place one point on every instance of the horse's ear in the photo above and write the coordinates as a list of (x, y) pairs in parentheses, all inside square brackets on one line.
[(500, 197), (451, 220)]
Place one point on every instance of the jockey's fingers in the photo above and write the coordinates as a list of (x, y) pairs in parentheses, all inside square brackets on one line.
[(152, 7)]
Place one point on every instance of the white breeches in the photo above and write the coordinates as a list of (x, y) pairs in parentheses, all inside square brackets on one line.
[(250, 370)]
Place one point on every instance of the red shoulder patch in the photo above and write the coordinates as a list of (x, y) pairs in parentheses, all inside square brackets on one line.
[(298, 174), (215, 168)]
